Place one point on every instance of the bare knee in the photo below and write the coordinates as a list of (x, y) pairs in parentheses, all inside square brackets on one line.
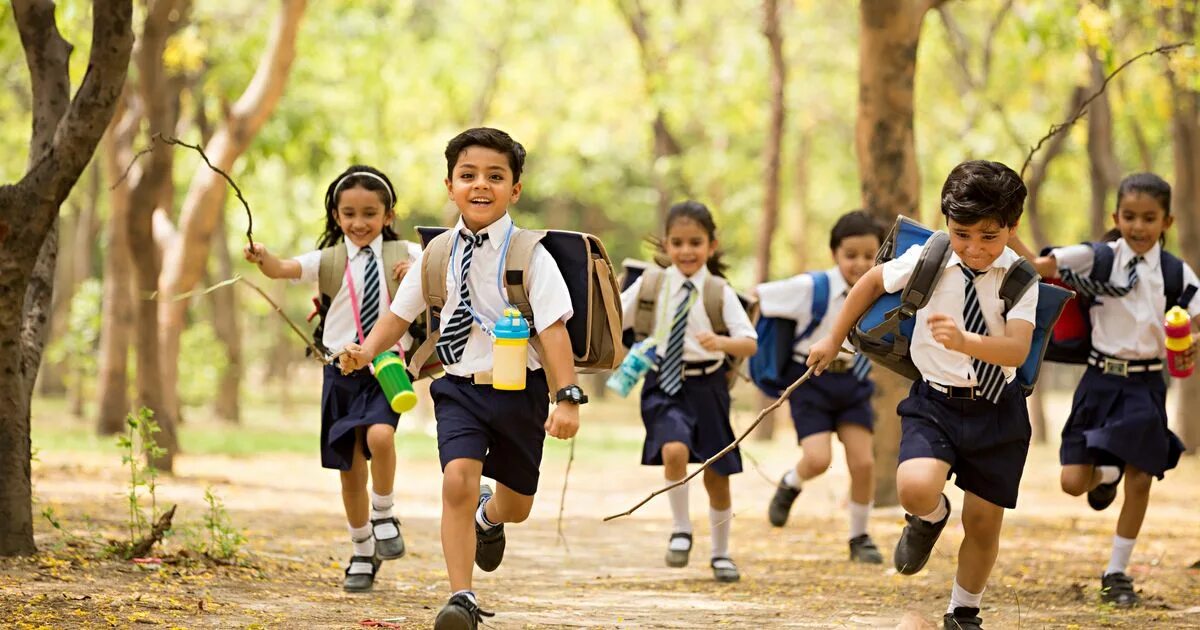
[(675, 454), (861, 466), (1137, 482), (917, 497), (1074, 483), (457, 488), (815, 463), (982, 528), (380, 438)]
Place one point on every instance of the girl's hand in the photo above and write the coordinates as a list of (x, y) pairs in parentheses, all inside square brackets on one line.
[(255, 253), (563, 422), (711, 341), (400, 269), (354, 358), (946, 331), (821, 354)]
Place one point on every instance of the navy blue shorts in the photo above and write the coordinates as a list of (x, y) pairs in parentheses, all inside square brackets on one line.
[(828, 400), (1116, 420), (984, 443), (697, 415), (502, 429), (349, 401)]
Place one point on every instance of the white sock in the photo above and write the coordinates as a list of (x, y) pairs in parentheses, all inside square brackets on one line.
[(1122, 549), (859, 513), (791, 479), (363, 540), (961, 598), (482, 519), (678, 498), (939, 513), (381, 505), (1109, 474), (470, 595), (721, 522)]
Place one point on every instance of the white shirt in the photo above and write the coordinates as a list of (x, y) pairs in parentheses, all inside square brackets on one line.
[(548, 294), (936, 363), (697, 319), (340, 328), (793, 298), (1128, 327)]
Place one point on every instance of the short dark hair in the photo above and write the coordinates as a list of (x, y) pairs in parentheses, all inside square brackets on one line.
[(855, 223), (489, 138), (977, 190), (1148, 184)]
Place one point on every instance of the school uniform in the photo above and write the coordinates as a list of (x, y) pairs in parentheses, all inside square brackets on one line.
[(698, 413), (838, 395), (954, 414), (1123, 419), (349, 401), (503, 429)]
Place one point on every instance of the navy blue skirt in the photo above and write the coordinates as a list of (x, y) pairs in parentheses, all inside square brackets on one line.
[(1120, 420), (349, 401), (698, 416), (828, 400)]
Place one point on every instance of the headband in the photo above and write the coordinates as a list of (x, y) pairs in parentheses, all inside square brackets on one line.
[(386, 186)]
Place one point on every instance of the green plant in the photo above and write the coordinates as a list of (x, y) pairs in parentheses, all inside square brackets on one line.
[(224, 540), (139, 450)]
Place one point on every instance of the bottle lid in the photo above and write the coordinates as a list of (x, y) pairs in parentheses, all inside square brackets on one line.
[(1177, 317), (511, 326)]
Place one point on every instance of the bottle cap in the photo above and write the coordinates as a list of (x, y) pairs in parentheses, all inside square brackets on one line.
[(1177, 317), (511, 326)]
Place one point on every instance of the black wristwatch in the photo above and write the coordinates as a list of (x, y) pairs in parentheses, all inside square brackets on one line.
[(572, 394)]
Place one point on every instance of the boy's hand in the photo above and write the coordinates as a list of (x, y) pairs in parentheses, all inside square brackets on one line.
[(821, 354), (946, 332), (354, 358), (711, 341), (255, 253), (563, 422), (400, 269)]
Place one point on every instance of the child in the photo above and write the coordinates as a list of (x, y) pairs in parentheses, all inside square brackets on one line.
[(481, 430), (966, 416), (357, 423), (840, 399), (685, 404), (1118, 421)]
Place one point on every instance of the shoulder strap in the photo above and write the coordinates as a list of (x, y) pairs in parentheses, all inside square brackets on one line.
[(714, 303), (926, 273), (1173, 289), (820, 303), (434, 265), (517, 263), (393, 252), (647, 300), (1020, 277), (330, 269), (1102, 262)]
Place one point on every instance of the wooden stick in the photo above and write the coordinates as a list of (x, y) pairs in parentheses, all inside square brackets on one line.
[(562, 500), (725, 451), (317, 354)]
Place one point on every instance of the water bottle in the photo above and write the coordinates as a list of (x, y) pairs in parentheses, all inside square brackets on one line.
[(510, 351), (1179, 338), (635, 365), (393, 378)]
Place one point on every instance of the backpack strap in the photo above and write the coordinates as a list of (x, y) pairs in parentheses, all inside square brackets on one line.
[(1020, 277), (820, 304), (917, 291), (518, 262), (1103, 258), (330, 269), (393, 252), (434, 263), (714, 303), (647, 300)]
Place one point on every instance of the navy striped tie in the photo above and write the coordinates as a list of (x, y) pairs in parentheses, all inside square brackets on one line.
[(989, 378), (1092, 288), (453, 342), (370, 296), (670, 373), (861, 366)]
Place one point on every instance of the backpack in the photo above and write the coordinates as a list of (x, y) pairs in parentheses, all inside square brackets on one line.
[(1071, 341), (777, 339), (714, 302), (885, 331), (595, 327)]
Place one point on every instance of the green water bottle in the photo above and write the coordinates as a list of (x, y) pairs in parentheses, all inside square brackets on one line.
[(393, 378)]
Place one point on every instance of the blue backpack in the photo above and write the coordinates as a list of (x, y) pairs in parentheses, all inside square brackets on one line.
[(885, 331), (777, 337)]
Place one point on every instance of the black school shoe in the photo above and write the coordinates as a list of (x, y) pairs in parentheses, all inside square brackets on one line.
[(389, 545), (781, 503), (917, 540), (1104, 494), (361, 581), (460, 613), (863, 549), (489, 545), (962, 619), (678, 558), (724, 570), (1117, 589)]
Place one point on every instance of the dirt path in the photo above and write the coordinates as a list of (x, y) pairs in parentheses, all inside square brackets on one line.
[(1052, 552)]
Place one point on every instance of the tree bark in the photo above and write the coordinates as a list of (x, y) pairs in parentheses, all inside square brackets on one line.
[(799, 239), (83, 243), (887, 166), (223, 304), (64, 135), (774, 144), (1103, 171), (184, 260)]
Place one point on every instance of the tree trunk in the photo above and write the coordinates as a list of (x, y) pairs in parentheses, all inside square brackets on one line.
[(887, 166), (799, 218), (774, 145), (1103, 171), (184, 260), (64, 135), (84, 239), (223, 303)]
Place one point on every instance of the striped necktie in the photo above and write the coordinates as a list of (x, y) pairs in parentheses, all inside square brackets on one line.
[(861, 367), (369, 308), (670, 373), (1093, 288), (453, 342), (989, 378)]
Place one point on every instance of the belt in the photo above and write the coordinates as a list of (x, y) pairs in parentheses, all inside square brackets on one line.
[(478, 378), (701, 368), (963, 393), (1123, 367)]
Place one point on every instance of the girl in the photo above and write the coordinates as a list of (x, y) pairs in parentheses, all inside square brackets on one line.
[(357, 423), (1118, 422), (685, 404)]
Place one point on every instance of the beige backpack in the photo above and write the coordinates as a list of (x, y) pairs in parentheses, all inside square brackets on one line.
[(332, 270)]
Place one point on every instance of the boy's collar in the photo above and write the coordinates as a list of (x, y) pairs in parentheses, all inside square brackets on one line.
[(496, 231), (837, 281)]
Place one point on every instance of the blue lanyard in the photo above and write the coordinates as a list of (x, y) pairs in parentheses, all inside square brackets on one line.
[(483, 325)]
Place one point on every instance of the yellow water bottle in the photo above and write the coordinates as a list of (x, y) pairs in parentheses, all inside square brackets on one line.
[(510, 351)]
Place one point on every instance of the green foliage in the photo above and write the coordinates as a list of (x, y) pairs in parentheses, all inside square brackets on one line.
[(201, 363), (78, 345), (224, 540), (138, 450)]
